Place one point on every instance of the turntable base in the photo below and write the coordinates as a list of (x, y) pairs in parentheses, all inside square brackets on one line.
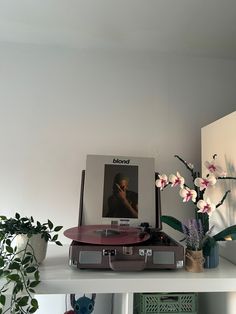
[(156, 251)]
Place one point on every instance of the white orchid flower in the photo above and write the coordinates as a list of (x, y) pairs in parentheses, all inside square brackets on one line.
[(206, 206), (215, 169), (176, 180), (204, 183), (188, 194), (162, 181)]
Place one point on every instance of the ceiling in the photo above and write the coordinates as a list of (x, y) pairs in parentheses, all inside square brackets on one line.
[(193, 27)]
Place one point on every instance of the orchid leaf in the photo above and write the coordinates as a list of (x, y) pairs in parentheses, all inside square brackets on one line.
[(172, 222), (233, 236), (228, 232)]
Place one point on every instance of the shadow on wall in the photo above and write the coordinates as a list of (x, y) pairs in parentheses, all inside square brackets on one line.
[(217, 303)]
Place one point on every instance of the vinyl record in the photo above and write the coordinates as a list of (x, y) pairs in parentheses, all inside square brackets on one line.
[(107, 235)]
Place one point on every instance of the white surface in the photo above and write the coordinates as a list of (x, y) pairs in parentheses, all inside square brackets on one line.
[(58, 278), (219, 138), (196, 27)]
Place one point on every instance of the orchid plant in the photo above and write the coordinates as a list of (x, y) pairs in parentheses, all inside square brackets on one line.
[(195, 194)]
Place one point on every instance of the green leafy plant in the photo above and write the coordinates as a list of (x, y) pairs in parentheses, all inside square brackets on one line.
[(19, 273)]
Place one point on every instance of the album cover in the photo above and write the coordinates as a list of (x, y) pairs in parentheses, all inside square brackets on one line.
[(119, 189)]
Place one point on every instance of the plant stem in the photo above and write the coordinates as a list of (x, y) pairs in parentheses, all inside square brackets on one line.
[(204, 219), (223, 198), (193, 173)]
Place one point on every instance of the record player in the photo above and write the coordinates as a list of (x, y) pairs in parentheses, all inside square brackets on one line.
[(122, 244)]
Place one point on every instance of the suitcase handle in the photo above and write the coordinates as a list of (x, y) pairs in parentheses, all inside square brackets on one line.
[(127, 265)]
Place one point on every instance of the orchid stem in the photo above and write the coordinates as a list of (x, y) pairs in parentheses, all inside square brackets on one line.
[(223, 198)]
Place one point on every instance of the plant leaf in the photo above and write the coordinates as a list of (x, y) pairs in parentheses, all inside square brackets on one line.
[(55, 237), (233, 236), (17, 215), (33, 284), (23, 301), (33, 310), (50, 224), (14, 265), (30, 269), (3, 299), (31, 290), (14, 277), (36, 275), (26, 260), (172, 222), (58, 228), (18, 287), (58, 243), (1, 262), (8, 242), (9, 249), (34, 303), (222, 235)]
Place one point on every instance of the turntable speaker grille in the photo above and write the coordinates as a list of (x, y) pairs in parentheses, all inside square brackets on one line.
[(90, 257), (166, 258)]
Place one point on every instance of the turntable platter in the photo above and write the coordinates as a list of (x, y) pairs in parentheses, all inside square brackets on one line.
[(106, 235)]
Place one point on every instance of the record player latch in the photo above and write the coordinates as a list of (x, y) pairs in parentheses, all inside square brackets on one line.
[(111, 252), (145, 252)]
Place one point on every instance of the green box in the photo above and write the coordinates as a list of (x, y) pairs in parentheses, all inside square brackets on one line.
[(165, 303)]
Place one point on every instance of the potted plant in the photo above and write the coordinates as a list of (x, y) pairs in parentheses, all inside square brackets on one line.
[(19, 260), (194, 238), (204, 206)]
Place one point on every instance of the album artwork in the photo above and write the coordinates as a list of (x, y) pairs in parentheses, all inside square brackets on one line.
[(120, 184), (119, 189)]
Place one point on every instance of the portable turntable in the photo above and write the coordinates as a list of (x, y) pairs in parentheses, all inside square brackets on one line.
[(120, 245)]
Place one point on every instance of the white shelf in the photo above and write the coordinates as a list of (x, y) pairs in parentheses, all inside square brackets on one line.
[(57, 277)]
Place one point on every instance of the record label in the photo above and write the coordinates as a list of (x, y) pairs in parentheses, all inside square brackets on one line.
[(107, 235)]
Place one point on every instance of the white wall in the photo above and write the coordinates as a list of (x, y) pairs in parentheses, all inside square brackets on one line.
[(57, 105)]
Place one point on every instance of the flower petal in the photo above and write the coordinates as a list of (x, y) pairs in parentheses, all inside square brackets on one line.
[(162, 181), (205, 207), (214, 168), (188, 194), (176, 180)]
